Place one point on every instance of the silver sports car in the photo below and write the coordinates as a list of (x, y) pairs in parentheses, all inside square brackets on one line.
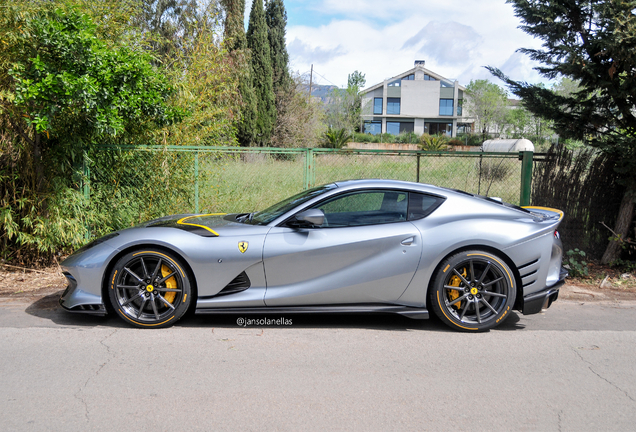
[(351, 246)]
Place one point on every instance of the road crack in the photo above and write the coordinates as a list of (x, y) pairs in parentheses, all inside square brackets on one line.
[(79, 394), (589, 366)]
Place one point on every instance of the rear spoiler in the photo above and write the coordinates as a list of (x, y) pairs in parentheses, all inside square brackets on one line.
[(546, 213)]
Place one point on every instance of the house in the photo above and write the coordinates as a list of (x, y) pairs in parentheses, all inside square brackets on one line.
[(417, 100)]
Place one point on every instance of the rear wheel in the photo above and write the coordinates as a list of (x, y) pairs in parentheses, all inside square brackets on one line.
[(473, 291), (149, 288)]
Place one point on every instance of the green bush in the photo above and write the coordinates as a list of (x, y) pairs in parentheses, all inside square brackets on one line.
[(407, 138), (471, 139), (493, 170), (384, 138), (575, 263), (362, 137)]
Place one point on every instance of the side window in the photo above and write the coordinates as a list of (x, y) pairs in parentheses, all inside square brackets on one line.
[(365, 208), (421, 205)]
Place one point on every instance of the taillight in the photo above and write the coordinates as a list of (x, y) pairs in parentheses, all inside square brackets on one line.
[(557, 235)]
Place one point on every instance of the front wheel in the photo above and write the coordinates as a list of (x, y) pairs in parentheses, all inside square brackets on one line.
[(473, 291), (149, 288)]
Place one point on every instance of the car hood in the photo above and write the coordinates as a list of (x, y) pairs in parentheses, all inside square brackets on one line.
[(206, 225)]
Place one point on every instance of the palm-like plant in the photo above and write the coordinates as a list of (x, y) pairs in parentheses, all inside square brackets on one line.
[(336, 138), (433, 142)]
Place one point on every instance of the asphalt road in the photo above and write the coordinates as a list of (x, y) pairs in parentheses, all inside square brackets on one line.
[(568, 369)]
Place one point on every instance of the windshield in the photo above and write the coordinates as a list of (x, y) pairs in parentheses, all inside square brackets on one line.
[(266, 216)]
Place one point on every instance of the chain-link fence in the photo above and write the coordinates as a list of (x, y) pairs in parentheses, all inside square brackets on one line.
[(140, 183)]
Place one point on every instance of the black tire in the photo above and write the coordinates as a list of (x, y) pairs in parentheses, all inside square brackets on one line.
[(149, 288), (473, 291)]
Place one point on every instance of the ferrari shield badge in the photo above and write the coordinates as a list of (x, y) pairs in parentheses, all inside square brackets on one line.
[(243, 245)]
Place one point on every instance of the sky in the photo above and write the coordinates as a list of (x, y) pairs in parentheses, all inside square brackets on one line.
[(383, 38)]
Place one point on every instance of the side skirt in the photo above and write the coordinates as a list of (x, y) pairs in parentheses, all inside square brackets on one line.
[(409, 312)]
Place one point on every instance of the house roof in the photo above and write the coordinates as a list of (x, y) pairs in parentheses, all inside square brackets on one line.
[(409, 72)]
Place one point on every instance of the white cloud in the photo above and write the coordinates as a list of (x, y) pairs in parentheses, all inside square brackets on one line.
[(303, 52), (382, 39), (449, 43)]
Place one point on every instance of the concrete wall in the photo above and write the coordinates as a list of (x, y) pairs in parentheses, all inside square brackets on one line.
[(382, 146), (420, 98), (394, 92)]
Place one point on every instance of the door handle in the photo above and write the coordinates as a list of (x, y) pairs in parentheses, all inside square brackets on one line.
[(409, 241)]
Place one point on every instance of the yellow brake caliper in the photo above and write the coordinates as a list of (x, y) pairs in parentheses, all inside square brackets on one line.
[(170, 283), (453, 294)]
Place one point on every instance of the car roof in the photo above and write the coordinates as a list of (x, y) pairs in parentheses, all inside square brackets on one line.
[(425, 188), (399, 184)]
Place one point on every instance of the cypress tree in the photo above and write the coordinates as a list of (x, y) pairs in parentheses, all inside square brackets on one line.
[(592, 42), (276, 17), (258, 43), (236, 43), (234, 33)]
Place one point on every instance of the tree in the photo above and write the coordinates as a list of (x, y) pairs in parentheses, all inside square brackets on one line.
[(276, 18), (64, 89), (207, 88), (520, 123), (64, 79), (171, 26), (344, 109), (258, 43), (592, 42), (236, 43), (299, 122), (487, 102), (355, 83)]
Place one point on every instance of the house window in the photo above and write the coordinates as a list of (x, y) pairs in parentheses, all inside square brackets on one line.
[(429, 78), (373, 127), (393, 128), (393, 105), (446, 107), (464, 128), (438, 128), (396, 83), (460, 104), (446, 84), (377, 106)]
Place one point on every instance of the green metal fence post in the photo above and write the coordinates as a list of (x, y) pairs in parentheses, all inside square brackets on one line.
[(306, 170), (312, 168), (196, 182), (417, 175), (526, 177), (86, 188)]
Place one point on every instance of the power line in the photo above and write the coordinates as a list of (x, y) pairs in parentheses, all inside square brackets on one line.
[(325, 78)]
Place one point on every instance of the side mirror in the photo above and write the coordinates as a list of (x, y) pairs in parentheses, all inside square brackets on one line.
[(315, 217)]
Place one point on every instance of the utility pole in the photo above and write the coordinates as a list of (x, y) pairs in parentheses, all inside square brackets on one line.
[(311, 77)]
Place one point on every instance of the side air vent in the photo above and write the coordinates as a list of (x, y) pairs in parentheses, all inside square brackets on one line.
[(238, 284), (521, 267), (528, 272), (96, 309)]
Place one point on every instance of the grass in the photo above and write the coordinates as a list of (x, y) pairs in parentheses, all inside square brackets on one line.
[(233, 184)]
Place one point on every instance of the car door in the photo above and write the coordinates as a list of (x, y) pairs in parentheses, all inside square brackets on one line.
[(365, 252)]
